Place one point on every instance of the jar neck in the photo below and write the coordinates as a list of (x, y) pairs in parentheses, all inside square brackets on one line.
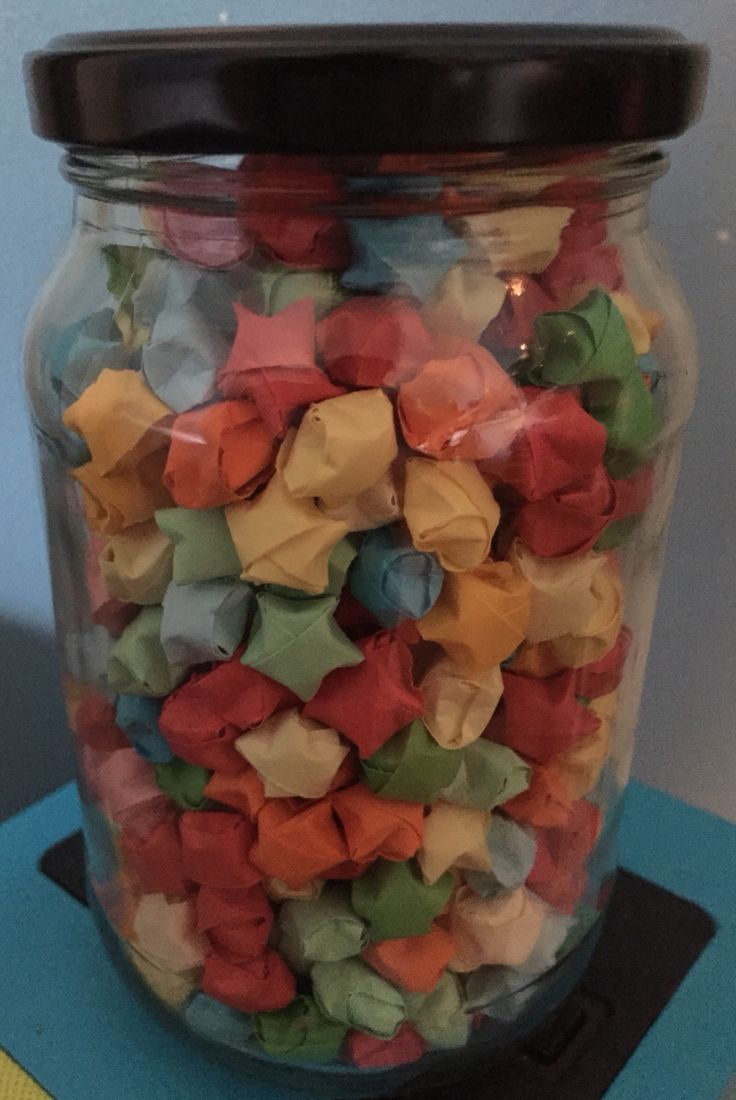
[(391, 186)]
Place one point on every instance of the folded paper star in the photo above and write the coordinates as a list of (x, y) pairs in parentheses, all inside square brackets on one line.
[(284, 540), (603, 676), (204, 717), (374, 507), (512, 849), (204, 621), (465, 301), (411, 766), (280, 393), (576, 270), (137, 716), (587, 344), (278, 287), (203, 548), (300, 1031), (244, 792), (137, 664), (589, 643), (75, 354), (545, 802), (395, 901), (371, 701), (394, 580), (579, 767), (216, 1021), (263, 984), (459, 706), (154, 857), (500, 931), (439, 1017), (297, 642), (488, 776), (92, 718), (183, 782), (121, 420), (450, 511), (136, 566), (298, 845), (104, 610), (570, 520), (351, 993), (210, 241), (189, 329), (562, 598), (523, 239), (119, 780), (558, 442), (411, 253), (373, 341), (461, 404), (376, 827), (368, 1052), (299, 234), (342, 446), (542, 716), (294, 756), (216, 849), (323, 930), (454, 838), (126, 266), (632, 423), (413, 963), (286, 339), (236, 922), (219, 454), (481, 616), (114, 502), (559, 875), (165, 934)]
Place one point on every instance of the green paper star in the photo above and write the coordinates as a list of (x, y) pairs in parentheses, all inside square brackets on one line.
[(354, 995), (589, 343), (395, 901), (137, 664), (411, 766), (297, 642), (324, 929), (203, 548), (299, 1031), (439, 1016), (184, 782), (488, 775)]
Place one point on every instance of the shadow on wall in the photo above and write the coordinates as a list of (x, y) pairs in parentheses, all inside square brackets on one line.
[(36, 743)]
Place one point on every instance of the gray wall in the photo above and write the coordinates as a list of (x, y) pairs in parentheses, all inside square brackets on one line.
[(687, 741)]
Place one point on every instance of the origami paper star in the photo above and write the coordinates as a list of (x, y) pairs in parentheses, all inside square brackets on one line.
[(298, 845), (324, 930), (342, 447), (440, 1017), (376, 827), (136, 565), (219, 454), (374, 507), (412, 253), (450, 511), (204, 621), (414, 963), (459, 706), (411, 766), (395, 901), (137, 664), (368, 1052), (488, 775), (352, 994), (542, 716), (203, 548), (216, 849), (370, 702), (165, 934), (373, 341), (501, 931), (465, 301), (454, 837), (235, 921), (512, 849), (114, 502), (300, 1031), (481, 616), (524, 239), (183, 782), (294, 756), (392, 579), (137, 716), (263, 984), (297, 642)]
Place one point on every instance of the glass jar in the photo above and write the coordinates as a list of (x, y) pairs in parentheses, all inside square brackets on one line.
[(358, 456)]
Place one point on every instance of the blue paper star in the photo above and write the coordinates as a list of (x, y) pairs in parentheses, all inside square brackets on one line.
[(414, 253)]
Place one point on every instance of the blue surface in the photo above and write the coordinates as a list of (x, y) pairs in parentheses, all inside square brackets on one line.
[(79, 1031)]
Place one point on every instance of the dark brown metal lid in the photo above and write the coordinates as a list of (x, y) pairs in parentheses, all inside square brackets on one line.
[(365, 89)]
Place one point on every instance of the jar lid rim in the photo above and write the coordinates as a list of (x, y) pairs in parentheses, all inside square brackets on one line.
[(365, 88)]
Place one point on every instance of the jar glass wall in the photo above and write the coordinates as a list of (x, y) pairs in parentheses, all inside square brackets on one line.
[(357, 473)]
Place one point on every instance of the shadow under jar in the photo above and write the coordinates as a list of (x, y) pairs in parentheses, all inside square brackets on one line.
[(359, 391)]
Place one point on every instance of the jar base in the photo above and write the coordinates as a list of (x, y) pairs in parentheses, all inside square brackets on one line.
[(436, 1069)]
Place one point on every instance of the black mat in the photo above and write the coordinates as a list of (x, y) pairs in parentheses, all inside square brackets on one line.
[(650, 940)]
